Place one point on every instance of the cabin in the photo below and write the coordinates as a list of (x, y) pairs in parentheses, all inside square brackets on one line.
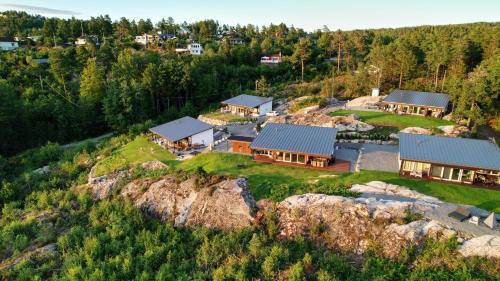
[(296, 145), (271, 59), (458, 160), (416, 103), (145, 39), (195, 49), (8, 44), (183, 134), (82, 40), (248, 105), (233, 40), (241, 144)]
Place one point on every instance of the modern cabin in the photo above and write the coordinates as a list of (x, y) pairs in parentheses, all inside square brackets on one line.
[(271, 59), (416, 103), (248, 105), (459, 160), (295, 144), (183, 134)]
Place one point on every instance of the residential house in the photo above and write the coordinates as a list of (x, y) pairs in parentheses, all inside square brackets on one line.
[(241, 144), (184, 30), (145, 39), (195, 49), (247, 105), (8, 44), (459, 160), (417, 103), (233, 40), (298, 145), (35, 38), (271, 59), (84, 39), (183, 134)]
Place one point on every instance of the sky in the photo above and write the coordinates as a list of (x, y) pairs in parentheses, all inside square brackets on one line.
[(307, 14)]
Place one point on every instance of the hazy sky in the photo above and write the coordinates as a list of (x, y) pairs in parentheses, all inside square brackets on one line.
[(307, 14)]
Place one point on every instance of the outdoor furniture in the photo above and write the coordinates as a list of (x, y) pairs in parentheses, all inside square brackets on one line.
[(460, 214), (474, 220)]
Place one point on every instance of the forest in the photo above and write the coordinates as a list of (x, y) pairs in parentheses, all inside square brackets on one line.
[(89, 90)]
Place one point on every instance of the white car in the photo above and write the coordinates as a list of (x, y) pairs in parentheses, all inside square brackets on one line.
[(272, 113)]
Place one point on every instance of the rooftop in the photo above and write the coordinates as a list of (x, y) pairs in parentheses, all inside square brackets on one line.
[(241, 138), (247, 101), (310, 140), (480, 154), (180, 128), (418, 98)]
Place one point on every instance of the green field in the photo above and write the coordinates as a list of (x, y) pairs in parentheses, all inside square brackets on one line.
[(226, 117), (140, 150), (277, 182), (394, 120)]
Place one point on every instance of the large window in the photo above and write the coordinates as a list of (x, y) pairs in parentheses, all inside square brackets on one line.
[(279, 156), (467, 175), (436, 171), (446, 173), (287, 157), (301, 159), (294, 157), (455, 175)]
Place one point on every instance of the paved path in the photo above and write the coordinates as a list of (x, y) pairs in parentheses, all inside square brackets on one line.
[(379, 157), (94, 140)]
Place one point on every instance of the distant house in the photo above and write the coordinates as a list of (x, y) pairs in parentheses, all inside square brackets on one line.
[(165, 36), (8, 44), (145, 39), (183, 134), (247, 105), (35, 38), (271, 59), (295, 144), (241, 144), (416, 103), (459, 160), (82, 40), (233, 40), (184, 30), (195, 49)]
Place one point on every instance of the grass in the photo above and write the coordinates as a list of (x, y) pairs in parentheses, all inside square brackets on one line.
[(394, 120), (277, 182), (226, 117), (140, 150)]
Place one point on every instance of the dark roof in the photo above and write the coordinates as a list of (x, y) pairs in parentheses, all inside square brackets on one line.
[(180, 128), (41, 61), (247, 101), (461, 152), (6, 39), (241, 138), (418, 98), (297, 138)]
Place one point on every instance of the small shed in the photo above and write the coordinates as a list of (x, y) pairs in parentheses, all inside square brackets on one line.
[(241, 144)]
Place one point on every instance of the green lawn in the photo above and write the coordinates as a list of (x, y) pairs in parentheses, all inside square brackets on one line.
[(226, 117), (394, 120), (140, 150), (277, 182)]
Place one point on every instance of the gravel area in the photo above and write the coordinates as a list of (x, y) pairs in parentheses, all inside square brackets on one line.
[(379, 157)]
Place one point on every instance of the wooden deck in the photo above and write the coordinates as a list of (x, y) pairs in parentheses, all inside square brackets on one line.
[(339, 165)]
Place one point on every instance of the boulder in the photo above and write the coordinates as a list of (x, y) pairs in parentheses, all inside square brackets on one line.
[(378, 187), (454, 130), (483, 246), (365, 101), (154, 165), (416, 130)]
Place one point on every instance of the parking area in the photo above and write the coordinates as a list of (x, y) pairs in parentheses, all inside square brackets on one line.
[(379, 157)]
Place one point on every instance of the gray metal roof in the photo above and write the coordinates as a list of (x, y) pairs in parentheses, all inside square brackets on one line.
[(297, 138), (461, 152), (418, 98), (180, 128), (247, 101)]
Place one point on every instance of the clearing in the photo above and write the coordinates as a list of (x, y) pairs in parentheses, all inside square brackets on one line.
[(140, 150), (388, 119)]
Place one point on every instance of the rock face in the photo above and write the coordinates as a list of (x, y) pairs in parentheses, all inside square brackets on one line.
[(102, 186), (416, 130), (486, 246), (353, 225), (454, 130), (365, 101), (224, 205)]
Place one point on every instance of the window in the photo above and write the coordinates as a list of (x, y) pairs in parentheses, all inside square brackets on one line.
[(455, 174), (436, 171), (408, 166), (287, 157), (446, 173), (279, 156), (301, 159), (466, 175), (294, 157)]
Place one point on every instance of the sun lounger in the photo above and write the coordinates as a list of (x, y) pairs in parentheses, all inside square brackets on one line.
[(460, 214)]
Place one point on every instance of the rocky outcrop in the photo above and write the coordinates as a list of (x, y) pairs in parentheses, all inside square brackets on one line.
[(454, 130), (342, 123), (154, 165), (485, 246), (223, 205), (416, 130), (365, 101), (354, 225), (378, 187)]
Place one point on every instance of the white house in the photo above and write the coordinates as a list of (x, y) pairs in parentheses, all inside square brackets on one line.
[(183, 134), (145, 39), (8, 44), (82, 40), (247, 105), (195, 49), (271, 59)]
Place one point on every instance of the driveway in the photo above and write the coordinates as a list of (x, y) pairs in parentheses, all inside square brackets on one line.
[(379, 157), (245, 130)]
